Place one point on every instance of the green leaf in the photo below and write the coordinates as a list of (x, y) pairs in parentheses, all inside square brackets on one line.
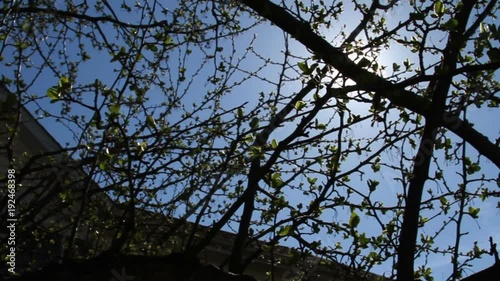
[(363, 241), (151, 47), (494, 54), (141, 146), (395, 67), (21, 45), (64, 84), (285, 230), (53, 93), (477, 251), (474, 212), (121, 53), (417, 16), (115, 109), (168, 40), (450, 25), (248, 138), (254, 123), (495, 32), (372, 185), (390, 228), (303, 66), (311, 69), (150, 121), (276, 181), (364, 62), (103, 166), (299, 105), (255, 151), (407, 63), (482, 28), (354, 220), (439, 8), (443, 201), (467, 59), (274, 144), (312, 180)]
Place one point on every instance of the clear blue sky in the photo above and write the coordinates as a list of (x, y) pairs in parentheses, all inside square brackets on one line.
[(269, 43)]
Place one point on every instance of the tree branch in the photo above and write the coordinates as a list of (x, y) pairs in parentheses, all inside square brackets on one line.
[(366, 80)]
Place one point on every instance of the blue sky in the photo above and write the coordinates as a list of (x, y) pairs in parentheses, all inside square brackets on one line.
[(269, 43)]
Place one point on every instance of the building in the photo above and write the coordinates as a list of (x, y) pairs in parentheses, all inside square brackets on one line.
[(62, 212), (43, 205)]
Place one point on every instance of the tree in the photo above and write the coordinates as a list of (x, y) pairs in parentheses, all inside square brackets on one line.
[(178, 109)]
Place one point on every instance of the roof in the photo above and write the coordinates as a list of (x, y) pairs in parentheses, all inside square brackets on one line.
[(33, 133)]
